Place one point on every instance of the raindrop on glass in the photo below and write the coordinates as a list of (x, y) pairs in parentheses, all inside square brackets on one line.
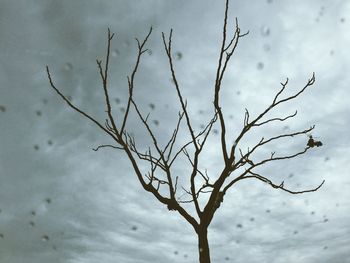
[(33, 213), (32, 223), (152, 106), (266, 47), (326, 159), (1, 235), (268, 211), (202, 126), (265, 31), (227, 258), (156, 122), (115, 53), (69, 98), (149, 52), (342, 20), (45, 238), (290, 175), (45, 101), (239, 225), (2, 108), (48, 200), (215, 131), (269, 1), (325, 247), (331, 52), (252, 219), (134, 228), (38, 113), (295, 232), (117, 100), (68, 66), (176, 253), (260, 66), (122, 109), (312, 212), (36, 147), (178, 55), (49, 142)]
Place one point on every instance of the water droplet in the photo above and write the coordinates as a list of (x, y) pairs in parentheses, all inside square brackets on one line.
[(156, 122), (265, 31), (176, 252), (260, 66), (1, 235), (149, 52), (269, 1), (286, 127), (38, 113), (326, 159), (185, 256), (2, 108), (239, 225), (32, 223), (252, 219), (268, 211), (290, 175), (201, 112), (325, 247), (115, 53), (202, 126), (122, 109), (295, 232), (33, 213), (117, 100), (45, 238), (48, 200), (68, 66), (152, 106), (178, 55), (230, 116), (215, 131), (134, 228), (331, 52), (69, 98), (266, 47), (325, 220), (54, 247), (227, 258), (342, 20), (45, 101), (312, 212), (49, 142), (36, 147)]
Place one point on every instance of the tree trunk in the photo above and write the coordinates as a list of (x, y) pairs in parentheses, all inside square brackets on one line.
[(203, 246)]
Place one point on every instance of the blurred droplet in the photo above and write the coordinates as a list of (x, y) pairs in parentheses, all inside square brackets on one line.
[(178, 55), (134, 228), (266, 47), (269, 1), (326, 159), (36, 147), (45, 101), (32, 223), (215, 131), (38, 113), (117, 100), (331, 52), (238, 92), (230, 116), (312, 212), (342, 20), (54, 247), (286, 127), (2, 108), (156, 122), (252, 219), (126, 43), (48, 200), (115, 53), (176, 252), (149, 52), (122, 109), (1, 235), (49, 142), (325, 247), (33, 213), (152, 106), (201, 112), (68, 66), (325, 220), (227, 258), (260, 66), (295, 232), (45, 238), (268, 211), (202, 126), (265, 31), (290, 175), (69, 98), (185, 256), (239, 225)]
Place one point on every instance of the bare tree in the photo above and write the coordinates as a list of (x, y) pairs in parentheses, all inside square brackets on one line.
[(161, 159)]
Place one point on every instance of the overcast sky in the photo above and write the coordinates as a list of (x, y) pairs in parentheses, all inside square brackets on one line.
[(62, 202)]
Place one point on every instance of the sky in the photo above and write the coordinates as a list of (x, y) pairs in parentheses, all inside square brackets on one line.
[(60, 201)]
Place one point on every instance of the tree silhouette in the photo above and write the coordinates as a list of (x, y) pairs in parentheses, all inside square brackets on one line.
[(161, 159)]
